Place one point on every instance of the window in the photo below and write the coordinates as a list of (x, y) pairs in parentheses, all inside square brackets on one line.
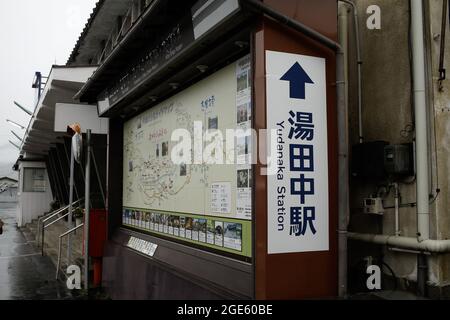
[(34, 180)]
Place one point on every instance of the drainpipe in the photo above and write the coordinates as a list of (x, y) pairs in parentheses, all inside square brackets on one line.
[(343, 194), (360, 63), (397, 209), (420, 107), (260, 7)]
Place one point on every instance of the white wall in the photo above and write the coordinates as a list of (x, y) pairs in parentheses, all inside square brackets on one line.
[(32, 204)]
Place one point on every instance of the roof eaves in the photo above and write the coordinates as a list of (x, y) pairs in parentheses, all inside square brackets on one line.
[(85, 31)]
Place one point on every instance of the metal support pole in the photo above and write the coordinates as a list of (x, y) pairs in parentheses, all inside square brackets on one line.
[(343, 193), (87, 208), (99, 180), (70, 223), (75, 189)]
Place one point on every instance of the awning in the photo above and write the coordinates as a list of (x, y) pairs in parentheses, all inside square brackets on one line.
[(62, 84)]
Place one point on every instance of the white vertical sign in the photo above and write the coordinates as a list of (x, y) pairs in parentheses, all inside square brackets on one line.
[(298, 209)]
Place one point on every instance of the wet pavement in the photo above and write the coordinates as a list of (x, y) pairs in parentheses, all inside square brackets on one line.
[(24, 273)]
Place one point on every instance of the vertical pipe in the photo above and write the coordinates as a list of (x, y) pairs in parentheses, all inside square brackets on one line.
[(69, 222), (343, 192), (422, 185), (418, 48), (422, 274), (360, 63), (87, 208), (397, 210), (442, 70)]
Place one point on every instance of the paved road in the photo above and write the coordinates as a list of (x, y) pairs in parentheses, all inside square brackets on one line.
[(24, 273)]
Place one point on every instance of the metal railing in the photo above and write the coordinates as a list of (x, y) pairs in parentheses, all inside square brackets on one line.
[(58, 265), (42, 226), (44, 217)]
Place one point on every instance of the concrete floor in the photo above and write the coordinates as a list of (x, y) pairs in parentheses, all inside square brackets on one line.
[(24, 273)]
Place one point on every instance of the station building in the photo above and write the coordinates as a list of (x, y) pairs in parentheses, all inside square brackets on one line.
[(355, 175)]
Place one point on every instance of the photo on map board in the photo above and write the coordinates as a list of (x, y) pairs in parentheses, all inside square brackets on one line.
[(176, 225), (242, 113), (188, 227), (175, 221), (152, 221), (210, 232), (242, 81), (157, 217), (213, 123), (170, 224), (182, 227), (232, 238), (147, 218), (242, 178), (218, 233), (165, 149), (165, 223), (196, 230), (189, 223), (140, 219), (202, 230), (183, 170), (133, 217)]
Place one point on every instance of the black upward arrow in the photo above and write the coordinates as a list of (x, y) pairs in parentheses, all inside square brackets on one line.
[(298, 79)]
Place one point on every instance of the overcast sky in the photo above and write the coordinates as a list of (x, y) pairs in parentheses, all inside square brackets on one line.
[(34, 35)]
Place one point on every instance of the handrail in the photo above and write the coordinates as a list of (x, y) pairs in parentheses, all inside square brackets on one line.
[(42, 239), (59, 247), (45, 218), (49, 215), (65, 208), (42, 220), (57, 220), (49, 225)]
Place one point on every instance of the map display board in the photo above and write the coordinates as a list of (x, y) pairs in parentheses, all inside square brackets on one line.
[(204, 203)]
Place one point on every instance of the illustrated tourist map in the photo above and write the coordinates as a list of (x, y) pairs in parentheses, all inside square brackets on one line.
[(172, 193)]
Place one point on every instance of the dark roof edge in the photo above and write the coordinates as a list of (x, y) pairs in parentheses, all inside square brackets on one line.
[(8, 178), (78, 66), (85, 31)]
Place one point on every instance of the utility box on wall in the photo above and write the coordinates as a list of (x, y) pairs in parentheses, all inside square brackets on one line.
[(399, 159), (378, 160), (368, 160)]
